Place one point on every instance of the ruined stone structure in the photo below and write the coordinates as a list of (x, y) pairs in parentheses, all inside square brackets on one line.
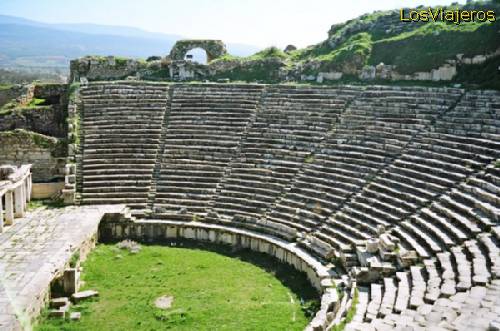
[(399, 184), (15, 190), (214, 48)]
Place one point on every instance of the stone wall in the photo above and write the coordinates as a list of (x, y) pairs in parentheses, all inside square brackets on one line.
[(445, 72), (94, 68), (47, 120), (54, 94), (47, 154), (213, 48), (20, 94), (268, 69), (7, 95)]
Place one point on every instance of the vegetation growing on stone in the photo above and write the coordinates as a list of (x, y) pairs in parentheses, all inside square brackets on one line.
[(350, 313), (36, 102), (233, 291), (440, 41), (376, 38), (483, 76), (57, 146), (5, 86)]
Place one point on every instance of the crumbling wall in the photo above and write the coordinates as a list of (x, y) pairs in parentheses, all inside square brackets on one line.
[(48, 118), (214, 48), (47, 154), (20, 94)]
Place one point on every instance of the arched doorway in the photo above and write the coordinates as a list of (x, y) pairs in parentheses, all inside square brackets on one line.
[(197, 54), (184, 48)]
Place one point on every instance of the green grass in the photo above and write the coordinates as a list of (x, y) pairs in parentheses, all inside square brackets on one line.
[(432, 44), (8, 108), (36, 102), (73, 262), (5, 86), (13, 106), (309, 159), (212, 290), (484, 76), (272, 51), (46, 203)]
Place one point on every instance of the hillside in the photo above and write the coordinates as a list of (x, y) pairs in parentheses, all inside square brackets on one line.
[(381, 37), (31, 44)]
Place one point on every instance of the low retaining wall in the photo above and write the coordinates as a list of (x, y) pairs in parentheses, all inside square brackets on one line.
[(47, 154), (46, 190), (115, 227)]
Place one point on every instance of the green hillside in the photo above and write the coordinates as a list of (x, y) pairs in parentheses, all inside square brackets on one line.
[(381, 37)]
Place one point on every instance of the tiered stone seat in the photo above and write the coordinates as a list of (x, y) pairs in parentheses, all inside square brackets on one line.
[(333, 170), (290, 126), (375, 301), (418, 287), (448, 286), (445, 161), (463, 266), (492, 247), (389, 297), (373, 131), (204, 128), (403, 296), (121, 126), (480, 271)]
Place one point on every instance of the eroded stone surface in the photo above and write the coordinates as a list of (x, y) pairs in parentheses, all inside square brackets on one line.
[(36, 249), (79, 296), (164, 302)]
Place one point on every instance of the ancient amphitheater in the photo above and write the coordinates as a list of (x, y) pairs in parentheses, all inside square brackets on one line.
[(397, 185), (400, 185)]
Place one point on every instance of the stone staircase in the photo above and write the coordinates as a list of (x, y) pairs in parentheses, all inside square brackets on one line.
[(121, 126), (205, 127), (330, 169)]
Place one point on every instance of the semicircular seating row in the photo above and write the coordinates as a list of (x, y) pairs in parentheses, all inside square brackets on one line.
[(327, 167)]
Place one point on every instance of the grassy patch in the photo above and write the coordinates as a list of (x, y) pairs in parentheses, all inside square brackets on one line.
[(267, 53), (73, 262), (46, 203), (5, 86), (36, 102), (8, 108), (355, 50), (212, 290), (309, 159), (484, 76), (432, 44)]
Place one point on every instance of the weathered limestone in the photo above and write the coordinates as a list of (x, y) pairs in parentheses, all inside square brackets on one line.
[(121, 124), (214, 48), (389, 178), (37, 250), (84, 295), (15, 188)]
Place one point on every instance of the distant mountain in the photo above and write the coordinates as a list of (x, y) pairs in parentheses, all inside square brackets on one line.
[(28, 43)]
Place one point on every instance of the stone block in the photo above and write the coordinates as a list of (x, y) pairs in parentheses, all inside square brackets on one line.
[(80, 296), (56, 303), (71, 281)]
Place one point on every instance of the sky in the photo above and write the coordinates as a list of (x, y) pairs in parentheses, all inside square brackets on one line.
[(261, 23)]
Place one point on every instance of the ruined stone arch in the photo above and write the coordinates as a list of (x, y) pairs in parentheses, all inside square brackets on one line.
[(214, 48)]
